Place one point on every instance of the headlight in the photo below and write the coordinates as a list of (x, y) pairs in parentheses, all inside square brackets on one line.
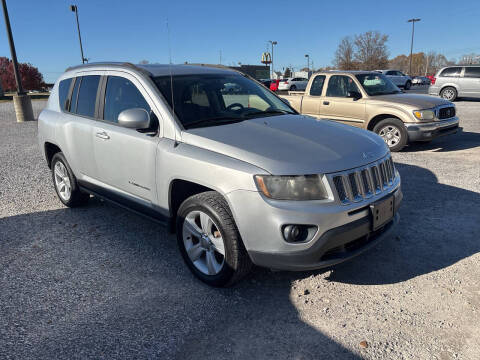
[(424, 114), (304, 187)]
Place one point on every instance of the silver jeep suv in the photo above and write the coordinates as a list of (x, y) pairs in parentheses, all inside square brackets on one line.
[(238, 175)]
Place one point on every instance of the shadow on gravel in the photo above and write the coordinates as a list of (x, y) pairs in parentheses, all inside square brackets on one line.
[(439, 226), (100, 282), (460, 141)]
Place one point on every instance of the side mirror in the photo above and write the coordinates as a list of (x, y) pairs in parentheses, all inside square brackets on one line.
[(136, 118), (354, 94)]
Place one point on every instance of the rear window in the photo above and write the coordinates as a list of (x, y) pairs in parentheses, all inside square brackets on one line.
[(451, 72), (87, 95), (472, 72), (63, 89), (317, 85)]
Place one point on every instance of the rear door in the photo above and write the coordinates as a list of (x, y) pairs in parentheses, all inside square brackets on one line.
[(470, 82), (124, 157), (338, 106), (393, 76), (80, 110), (312, 102)]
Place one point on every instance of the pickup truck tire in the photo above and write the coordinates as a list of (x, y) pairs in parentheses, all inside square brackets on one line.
[(393, 133), (204, 221), (449, 93), (65, 183), (408, 85)]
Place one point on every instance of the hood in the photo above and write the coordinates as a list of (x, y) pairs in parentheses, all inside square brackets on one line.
[(291, 144), (417, 101)]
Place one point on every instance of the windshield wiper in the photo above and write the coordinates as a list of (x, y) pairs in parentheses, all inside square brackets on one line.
[(269, 112), (214, 121)]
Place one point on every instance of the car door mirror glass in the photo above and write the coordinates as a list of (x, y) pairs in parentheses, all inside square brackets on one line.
[(354, 94), (135, 118)]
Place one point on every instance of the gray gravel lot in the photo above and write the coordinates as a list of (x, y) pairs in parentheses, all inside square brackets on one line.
[(100, 282)]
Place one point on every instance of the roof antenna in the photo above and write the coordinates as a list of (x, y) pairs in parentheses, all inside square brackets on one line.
[(170, 68)]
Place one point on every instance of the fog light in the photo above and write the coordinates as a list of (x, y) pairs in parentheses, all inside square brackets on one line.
[(298, 233)]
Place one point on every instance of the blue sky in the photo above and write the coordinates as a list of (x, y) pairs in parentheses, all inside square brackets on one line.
[(45, 31)]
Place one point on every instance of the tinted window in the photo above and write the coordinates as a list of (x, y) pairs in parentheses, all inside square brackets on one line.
[(340, 85), (73, 103), (472, 72), (87, 95), (63, 89), (451, 72), (391, 73), (317, 85), (120, 95)]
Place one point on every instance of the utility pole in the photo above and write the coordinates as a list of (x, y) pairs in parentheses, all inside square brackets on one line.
[(273, 43), (308, 65), (74, 8), (21, 101), (220, 57), (413, 21)]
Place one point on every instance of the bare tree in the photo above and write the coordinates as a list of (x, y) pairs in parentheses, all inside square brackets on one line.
[(144, 62), (344, 55), (371, 50)]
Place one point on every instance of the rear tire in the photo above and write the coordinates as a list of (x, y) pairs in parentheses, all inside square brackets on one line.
[(393, 132), (449, 93), (65, 183), (408, 85), (204, 222)]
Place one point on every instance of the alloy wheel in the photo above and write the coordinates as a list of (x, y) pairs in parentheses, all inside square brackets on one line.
[(391, 135), (448, 94), (203, 243), (62, 181)]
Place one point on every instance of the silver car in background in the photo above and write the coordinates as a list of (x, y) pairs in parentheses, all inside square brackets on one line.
[(398, 78), (240, 176), (452, 82)]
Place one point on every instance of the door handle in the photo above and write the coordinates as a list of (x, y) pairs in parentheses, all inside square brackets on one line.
[(326, 103), (102, 135)]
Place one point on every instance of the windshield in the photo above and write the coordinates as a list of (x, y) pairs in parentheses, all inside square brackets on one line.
[(377, 84), (217, 99)]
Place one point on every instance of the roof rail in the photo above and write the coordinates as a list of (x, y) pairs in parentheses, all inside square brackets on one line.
[(116, 64)]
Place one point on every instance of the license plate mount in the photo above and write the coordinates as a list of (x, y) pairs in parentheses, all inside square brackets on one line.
[(382, 212)]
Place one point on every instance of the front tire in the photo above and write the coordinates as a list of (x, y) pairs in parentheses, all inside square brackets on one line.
[(293, 88), (393, 132), (209, 240), (65, 183), (449, 93), (408, 85)]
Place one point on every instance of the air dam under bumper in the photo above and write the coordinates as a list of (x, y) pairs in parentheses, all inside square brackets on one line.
[(333, 247), (431, 130)]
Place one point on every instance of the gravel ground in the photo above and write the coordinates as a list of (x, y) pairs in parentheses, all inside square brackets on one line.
[(100, 282)]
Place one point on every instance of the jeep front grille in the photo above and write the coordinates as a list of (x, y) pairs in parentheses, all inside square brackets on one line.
[(361, 183)]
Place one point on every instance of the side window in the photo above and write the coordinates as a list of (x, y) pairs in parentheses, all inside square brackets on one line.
[(317, 85), (87, 95), (73, 102), (472, 72), (121, 94), (340, 85), (63, 89), (391, 73), (451, 72)]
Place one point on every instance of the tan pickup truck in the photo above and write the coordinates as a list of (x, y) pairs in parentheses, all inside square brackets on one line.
[(371, 101)]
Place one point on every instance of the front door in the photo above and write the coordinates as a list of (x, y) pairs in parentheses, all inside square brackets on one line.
[(338, 105), (470, 82), (125, 158)]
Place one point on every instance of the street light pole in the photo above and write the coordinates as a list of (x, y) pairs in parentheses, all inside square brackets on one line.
[(74, 8), (21, 101), (308, 65), (413, 21), (273, 43)]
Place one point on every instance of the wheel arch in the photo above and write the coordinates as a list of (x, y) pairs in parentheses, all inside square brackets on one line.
[(377, 118), (50, 150)]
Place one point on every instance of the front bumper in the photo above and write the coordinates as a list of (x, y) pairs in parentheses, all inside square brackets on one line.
[(431, 130), (335, 246), (344, 231)]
